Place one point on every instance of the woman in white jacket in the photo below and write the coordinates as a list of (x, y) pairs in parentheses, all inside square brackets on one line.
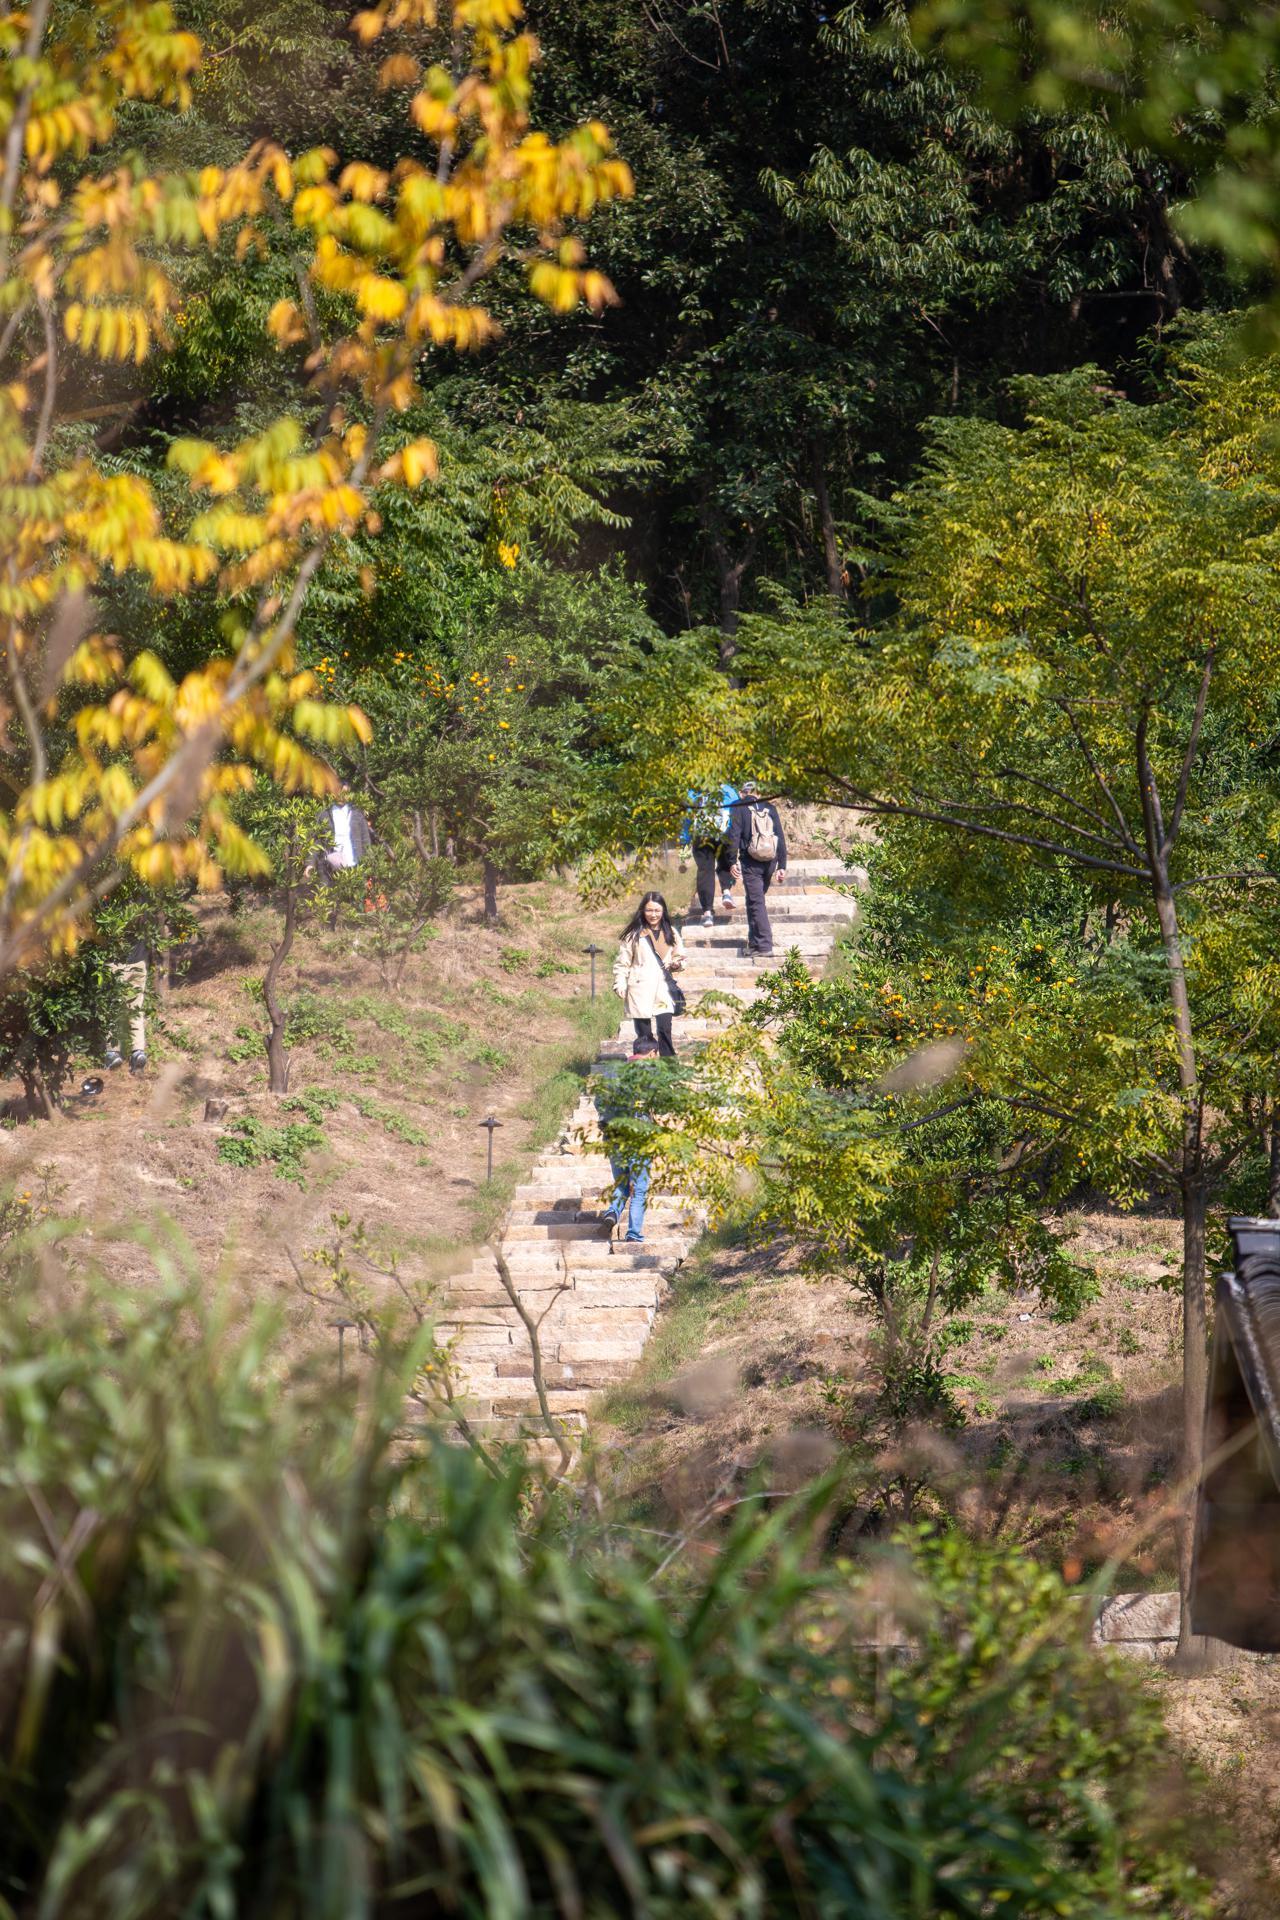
[(651, 948)]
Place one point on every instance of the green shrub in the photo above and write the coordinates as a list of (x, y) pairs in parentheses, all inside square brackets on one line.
[(247, 1045), (487, 1055), (250, 1142), (394, 1123), (312, 1018), (313, 1103), (263, 1659)]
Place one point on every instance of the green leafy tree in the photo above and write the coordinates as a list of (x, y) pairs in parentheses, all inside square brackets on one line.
[(294, 832), (834, 238), (1193, 84), (1082, 676), (481, 728)]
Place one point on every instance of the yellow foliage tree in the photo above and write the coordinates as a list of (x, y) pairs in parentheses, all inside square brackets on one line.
[(107, 762)]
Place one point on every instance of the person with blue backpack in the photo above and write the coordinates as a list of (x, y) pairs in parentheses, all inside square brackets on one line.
[(706, 834)]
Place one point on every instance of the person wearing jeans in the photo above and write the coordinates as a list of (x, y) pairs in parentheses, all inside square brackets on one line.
[(631, 1177), (632, 1181), (757, 874)]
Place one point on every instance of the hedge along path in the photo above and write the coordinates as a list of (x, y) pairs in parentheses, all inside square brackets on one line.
[(593, 1298)]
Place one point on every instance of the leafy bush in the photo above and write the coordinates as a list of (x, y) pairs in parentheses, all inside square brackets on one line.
[(392, 896), (487, 1055), (313, 1103), (430, 1035), (312, 1018), (250, 1142), (263, 1659), (247, 1045), (394, 1123)]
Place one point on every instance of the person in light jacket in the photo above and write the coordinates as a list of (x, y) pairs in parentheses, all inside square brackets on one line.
[(351, 835), (651, 948)]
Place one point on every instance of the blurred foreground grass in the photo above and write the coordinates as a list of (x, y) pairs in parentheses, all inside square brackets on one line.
[(261, 1653)]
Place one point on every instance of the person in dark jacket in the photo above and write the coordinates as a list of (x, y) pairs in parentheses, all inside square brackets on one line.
[(758, 854)]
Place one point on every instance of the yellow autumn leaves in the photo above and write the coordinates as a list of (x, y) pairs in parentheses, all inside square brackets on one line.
[(107, 757)]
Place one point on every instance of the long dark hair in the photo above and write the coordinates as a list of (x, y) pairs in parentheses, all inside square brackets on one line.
[(636, 924)]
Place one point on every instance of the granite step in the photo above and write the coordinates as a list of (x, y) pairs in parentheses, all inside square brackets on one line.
[(592, 1296)]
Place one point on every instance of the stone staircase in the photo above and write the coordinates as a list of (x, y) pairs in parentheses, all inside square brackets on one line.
[(592, 1297)]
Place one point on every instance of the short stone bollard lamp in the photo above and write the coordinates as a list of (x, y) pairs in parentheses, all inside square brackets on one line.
[(1235, 1574)]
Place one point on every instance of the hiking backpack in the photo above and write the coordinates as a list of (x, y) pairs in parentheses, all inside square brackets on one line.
[(762, 841)]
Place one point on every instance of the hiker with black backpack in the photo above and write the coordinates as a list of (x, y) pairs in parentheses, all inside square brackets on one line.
[(758, 855)]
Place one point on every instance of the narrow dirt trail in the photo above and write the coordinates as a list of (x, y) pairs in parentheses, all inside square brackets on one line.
[(593, 1297)]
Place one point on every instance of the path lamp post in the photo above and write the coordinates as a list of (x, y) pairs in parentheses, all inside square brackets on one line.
[(490, 1123), (341, 1326), (593, 950)]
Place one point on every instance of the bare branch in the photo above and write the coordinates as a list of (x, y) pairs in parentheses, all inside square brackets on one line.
[(554, 1428), (38, 445), (1152, 814), (1091, 762), (37, 20), (939, 1113), (873, 803), (1043, 813), (1047, 786)]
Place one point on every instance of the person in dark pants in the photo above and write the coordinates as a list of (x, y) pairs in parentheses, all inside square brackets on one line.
[(704, 834), (651, 951), (758, 852)]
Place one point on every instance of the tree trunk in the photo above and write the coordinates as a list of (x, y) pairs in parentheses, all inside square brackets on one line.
[(1193, 1649), (490, 894), (277, 1058), (837, 586), (1194, 1186), (1273, 1173), (730, 606), (730, 572)]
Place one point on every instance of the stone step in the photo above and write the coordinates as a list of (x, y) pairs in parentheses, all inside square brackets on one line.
[(524, 1406), (593, 1297), (558, 1373), (820, 869), (562, 1335), (516, 1432), (659, 1213), (574, 1233), (531, 1280), (584, 1292), (544, 1256)]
